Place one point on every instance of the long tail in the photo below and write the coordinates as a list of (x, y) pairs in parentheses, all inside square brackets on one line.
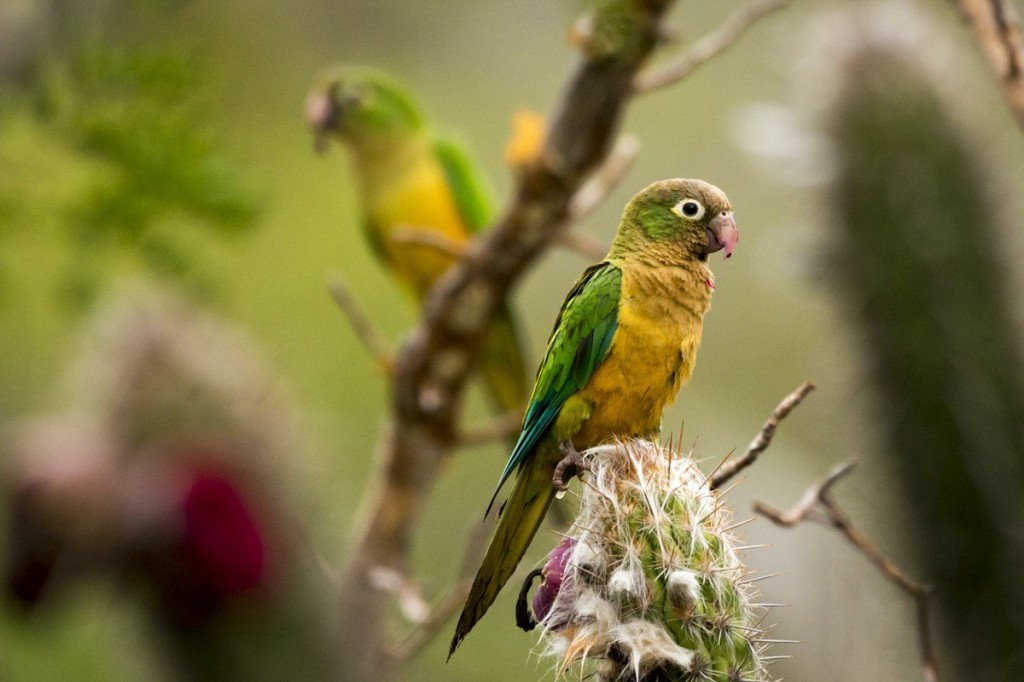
[(503, 365), (522, 515)]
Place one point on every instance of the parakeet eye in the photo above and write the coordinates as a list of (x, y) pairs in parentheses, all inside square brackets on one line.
[(689, 208)]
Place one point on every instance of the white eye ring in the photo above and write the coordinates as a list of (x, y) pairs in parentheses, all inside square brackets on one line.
[(690, 209)]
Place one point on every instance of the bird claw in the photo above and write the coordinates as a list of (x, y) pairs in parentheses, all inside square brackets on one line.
[(571, 465)]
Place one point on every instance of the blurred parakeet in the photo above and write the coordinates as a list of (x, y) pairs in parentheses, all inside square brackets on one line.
[(624, 342), (421, 199)]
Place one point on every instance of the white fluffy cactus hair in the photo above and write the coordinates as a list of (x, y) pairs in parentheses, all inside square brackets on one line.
[(648, 584)]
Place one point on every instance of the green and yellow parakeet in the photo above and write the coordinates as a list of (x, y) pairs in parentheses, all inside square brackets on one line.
[(624, 342), (421, 200)]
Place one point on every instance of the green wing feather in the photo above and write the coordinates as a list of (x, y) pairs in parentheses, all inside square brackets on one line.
[(579, 342), (467, 185)]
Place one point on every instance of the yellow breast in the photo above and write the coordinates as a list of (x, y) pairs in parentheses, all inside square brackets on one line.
[(416, 200), (653, 352)]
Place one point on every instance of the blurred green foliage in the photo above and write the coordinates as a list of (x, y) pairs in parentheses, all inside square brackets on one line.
[(136, 115), (920, 241)]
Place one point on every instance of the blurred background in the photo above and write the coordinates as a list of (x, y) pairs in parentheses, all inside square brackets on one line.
[(246, 223)]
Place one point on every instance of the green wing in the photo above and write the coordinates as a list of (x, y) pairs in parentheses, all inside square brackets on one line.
[(579, 342), (466, 184)]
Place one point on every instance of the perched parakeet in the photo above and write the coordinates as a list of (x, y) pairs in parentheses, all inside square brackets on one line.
[(421, 199), (624, 342)]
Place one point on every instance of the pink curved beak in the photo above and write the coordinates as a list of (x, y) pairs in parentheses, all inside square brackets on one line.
[(723, 233), (321, 115)]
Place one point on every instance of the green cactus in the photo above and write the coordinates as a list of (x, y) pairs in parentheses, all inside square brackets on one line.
[(919, 258), (649, 581)]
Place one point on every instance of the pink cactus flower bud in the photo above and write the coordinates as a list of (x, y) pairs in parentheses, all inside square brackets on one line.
[(222, 538), (554, 572)]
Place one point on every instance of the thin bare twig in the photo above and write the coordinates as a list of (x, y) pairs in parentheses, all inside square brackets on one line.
[(593, 192), (726, 470), (707, 47), (366, 331), (503, 426), (410, 599), (816, 505), (606, 178), (583, 244), (431, 239), (419, 638), (808, 504), (997, 30), (451, 602)]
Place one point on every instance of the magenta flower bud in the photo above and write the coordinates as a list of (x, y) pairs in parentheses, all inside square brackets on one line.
[(222, 539), (553, 573)]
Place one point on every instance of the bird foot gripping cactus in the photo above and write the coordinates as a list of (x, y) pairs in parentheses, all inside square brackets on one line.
[(649, 582)]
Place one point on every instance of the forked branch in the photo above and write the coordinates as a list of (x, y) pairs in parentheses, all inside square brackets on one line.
[(817, 505), (997, 29), (728, 469), (708, 47)]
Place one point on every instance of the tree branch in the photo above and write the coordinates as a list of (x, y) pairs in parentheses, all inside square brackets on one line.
[(707, 47), (997, 30), (606, 178), (418, 640), (590, 195), (501, 427), (569, 239), (816, 505), (727, 470), (434, 364), (583, 244), (449, 605), (431, 239)]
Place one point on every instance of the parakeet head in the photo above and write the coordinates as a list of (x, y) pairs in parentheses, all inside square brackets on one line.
[(678, 217), (364, 108)]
